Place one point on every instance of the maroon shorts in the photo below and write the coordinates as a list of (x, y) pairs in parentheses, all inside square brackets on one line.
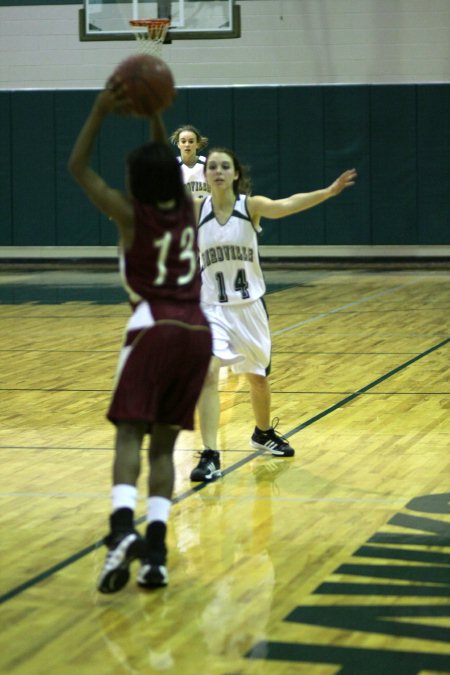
[(163, 375)]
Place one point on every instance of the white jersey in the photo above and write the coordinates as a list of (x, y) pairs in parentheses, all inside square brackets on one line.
[(231, 272), (194, 177)]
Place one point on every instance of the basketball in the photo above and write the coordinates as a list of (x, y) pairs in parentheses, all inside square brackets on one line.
[(149, 82)]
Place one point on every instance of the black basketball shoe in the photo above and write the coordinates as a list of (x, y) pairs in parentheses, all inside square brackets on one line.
[(208, 467), (270, 440), (124, 547), (153, 572)]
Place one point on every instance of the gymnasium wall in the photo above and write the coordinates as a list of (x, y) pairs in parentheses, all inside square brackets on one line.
[(282, 42), (312, 87), (294, 138)]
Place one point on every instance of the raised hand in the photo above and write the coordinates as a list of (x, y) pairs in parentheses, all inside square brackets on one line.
[(114, 98), (345, 180)]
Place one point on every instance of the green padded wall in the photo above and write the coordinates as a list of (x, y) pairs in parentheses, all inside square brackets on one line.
[(301, 159), (33, 168), (255, 125), (6, 228), (178, 113), (210, 109), (347, 145), (294, 138), (433, 165), (77, 222), (393, 164)]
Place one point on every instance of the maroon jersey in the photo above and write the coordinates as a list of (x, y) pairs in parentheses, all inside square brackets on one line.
[(162, 263), (161, 375), (167, 345)]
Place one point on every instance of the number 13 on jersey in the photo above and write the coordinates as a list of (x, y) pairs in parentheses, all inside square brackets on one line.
[(186, 253)]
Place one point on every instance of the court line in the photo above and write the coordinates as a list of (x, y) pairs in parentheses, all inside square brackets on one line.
[(355, 394), (98, 544), (355, 303), (89, 549), (43, 448)]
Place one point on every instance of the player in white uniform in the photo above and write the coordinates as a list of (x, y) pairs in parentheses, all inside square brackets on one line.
[(232, 295), (232, 288), (190, 141)]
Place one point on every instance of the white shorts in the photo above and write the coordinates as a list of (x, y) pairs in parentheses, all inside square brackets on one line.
[(241, 336)]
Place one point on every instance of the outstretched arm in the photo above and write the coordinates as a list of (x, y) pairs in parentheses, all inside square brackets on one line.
[(263, 207), (112, 202)]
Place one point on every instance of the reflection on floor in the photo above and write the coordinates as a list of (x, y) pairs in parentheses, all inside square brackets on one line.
[(102, 286)]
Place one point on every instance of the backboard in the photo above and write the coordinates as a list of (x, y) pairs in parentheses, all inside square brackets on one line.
[(190, 19)]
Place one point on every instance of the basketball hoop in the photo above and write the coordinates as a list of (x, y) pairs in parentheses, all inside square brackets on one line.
[(151, 40)]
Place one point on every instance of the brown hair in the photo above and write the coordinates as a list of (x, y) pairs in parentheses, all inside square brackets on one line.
[(202, 141), (243, 183)]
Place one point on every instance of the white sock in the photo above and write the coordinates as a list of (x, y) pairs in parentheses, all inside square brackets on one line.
[(158, 508), (124, 496)]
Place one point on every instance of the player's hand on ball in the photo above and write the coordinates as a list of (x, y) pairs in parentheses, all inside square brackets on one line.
[(114, 98)]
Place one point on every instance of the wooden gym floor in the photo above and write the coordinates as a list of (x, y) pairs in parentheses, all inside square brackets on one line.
[(335, 561)]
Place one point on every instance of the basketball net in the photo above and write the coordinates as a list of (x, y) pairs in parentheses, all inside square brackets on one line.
[(151, 40)]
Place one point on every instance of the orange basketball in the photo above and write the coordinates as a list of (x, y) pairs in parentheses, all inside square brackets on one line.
[(149, 82)]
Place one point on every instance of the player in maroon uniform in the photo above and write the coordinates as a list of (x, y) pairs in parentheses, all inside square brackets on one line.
[(167, 347)]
